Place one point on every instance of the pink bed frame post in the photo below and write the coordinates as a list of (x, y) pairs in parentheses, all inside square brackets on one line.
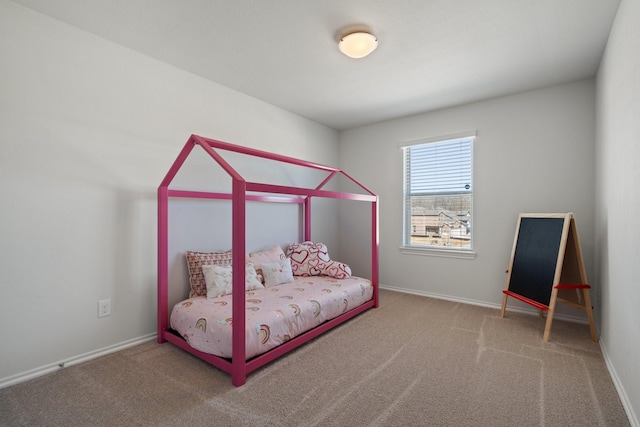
[(307, 219), (163, 240), (163, 262), (238, 351), (375, 245), (238, 254)]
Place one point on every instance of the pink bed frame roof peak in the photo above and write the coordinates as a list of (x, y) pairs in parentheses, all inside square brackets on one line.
[(212, 145)]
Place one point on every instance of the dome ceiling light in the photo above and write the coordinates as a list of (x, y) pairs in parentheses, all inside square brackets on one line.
[(358, 44)]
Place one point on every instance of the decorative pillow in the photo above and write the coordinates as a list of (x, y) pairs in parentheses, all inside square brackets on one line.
[(195, 261), (251, 278), (277, 273), (273, 254), (312, 259), (219, 279)]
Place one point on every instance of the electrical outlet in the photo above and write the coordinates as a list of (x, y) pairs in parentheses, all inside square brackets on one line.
[(104, 307)]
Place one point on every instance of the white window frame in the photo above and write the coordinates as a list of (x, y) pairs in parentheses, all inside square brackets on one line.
[(441, 251)]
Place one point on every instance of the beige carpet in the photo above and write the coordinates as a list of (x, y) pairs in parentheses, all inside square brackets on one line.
[(414, 361)]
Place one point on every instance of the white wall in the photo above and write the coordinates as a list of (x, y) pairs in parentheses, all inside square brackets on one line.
[(88, 130), (618, 202), (534, 152)]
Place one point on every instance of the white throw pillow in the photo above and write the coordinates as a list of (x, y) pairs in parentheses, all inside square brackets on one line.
[(219, 279), (251, 278), (273, 254), (277, 273)]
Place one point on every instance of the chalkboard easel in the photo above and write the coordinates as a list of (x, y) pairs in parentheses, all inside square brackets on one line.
[(546, 267)]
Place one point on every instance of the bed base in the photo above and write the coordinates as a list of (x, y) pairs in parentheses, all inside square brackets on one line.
[(239, 373), (237, 366)]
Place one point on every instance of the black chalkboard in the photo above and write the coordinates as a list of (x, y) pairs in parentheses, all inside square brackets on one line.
[(546, 267), (535, 258)]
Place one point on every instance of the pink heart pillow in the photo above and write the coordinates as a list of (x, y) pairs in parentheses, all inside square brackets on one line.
[(312, 259)]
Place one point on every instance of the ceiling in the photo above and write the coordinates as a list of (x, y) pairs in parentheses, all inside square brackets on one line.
[(432, 54)]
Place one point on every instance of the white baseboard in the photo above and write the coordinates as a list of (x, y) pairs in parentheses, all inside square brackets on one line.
[(531, 311), (47, 369), (626, 403)]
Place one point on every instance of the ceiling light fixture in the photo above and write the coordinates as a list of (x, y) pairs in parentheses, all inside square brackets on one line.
[(358, 44)]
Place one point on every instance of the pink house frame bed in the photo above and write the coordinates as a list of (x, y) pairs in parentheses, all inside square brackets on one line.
[(241, 192)]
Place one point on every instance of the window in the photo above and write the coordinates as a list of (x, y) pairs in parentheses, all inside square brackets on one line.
[(438, 193)]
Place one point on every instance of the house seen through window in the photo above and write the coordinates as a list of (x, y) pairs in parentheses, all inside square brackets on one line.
[(438, 194)]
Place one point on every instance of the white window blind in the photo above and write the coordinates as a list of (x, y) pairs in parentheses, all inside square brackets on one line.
[(439, 168)]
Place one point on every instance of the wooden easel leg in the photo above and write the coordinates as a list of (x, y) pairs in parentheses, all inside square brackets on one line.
[(552, 309), (589, 310), (504, 305), (547, 326)]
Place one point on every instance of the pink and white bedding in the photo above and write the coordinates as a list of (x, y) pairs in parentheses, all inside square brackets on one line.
[(274, 315)]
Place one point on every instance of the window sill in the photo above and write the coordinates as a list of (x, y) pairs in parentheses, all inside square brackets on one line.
[(445, 253)]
